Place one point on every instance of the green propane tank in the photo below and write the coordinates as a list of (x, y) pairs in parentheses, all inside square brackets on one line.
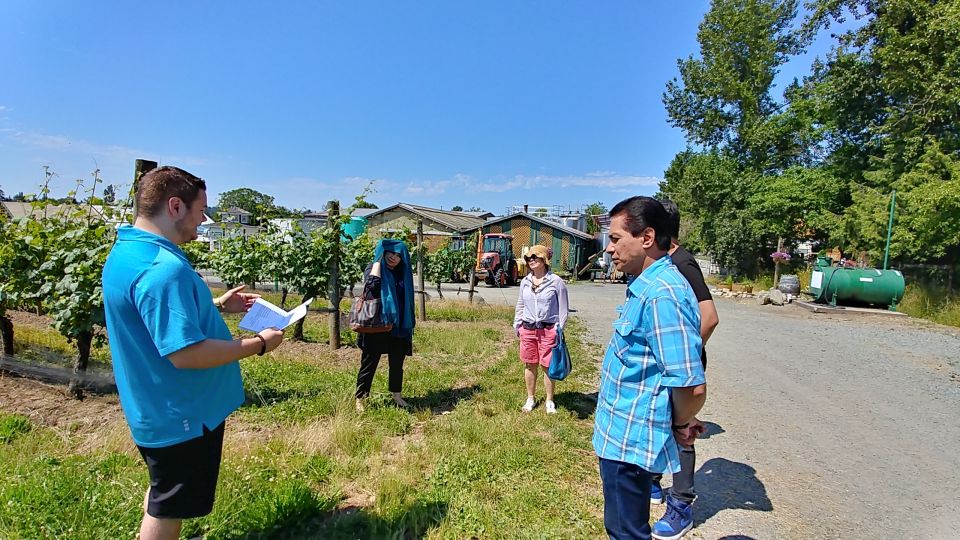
[(855, 286)]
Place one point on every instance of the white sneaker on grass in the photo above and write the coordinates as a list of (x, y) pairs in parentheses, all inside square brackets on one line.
[(528, 406), (551, 407)]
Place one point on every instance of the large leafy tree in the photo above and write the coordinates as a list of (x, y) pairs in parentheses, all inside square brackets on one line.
[(741, 139), (259, 204), (887, 103), (712, 193), (722, 99), (594, 209), (801, 203), (109, 194)]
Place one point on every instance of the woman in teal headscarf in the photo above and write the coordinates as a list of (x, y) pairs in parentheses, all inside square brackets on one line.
[(390, 278)]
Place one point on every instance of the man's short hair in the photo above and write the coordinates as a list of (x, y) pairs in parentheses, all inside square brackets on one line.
[(673, 215), (641, 212), (159, 185)]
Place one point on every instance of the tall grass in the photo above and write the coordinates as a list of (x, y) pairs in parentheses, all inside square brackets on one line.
[(932, 303)]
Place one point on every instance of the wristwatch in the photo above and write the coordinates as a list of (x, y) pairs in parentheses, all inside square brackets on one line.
[(263, 345)]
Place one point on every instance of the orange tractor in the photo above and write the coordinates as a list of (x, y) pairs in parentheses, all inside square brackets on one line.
[(496, 265)]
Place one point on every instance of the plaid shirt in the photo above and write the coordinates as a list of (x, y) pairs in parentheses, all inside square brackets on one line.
[(655, 346)]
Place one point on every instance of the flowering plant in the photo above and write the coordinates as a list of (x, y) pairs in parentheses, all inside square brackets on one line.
[(780, 256)]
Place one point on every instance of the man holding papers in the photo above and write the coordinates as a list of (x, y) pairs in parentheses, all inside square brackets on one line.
[(174, 359)]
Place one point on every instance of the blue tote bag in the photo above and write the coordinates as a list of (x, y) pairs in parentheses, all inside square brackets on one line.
[(560, 362)]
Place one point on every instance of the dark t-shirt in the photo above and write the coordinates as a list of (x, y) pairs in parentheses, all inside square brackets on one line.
[(691, 271), (688, 266)]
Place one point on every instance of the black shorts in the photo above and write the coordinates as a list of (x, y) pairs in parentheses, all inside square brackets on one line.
[(183, 477)]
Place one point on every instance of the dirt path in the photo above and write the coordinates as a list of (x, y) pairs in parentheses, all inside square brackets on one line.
[(821, 426)]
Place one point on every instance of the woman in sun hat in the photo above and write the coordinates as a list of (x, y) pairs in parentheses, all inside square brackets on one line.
[(390, 278), (541, 312)]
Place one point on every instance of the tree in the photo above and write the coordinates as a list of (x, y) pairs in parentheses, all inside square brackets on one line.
[(2, 196), (712, 192), (801, 203), (109, 194), (475, 209), (258, 204), (594, 210), (457, 208), (887, 102), (722, 99)]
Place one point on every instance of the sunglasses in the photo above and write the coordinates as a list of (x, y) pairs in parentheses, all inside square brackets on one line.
[(529, 258)]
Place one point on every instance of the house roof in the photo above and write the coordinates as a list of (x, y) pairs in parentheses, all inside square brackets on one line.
[(544, 221), (231, 225), (19, 209), (235, 210), (458, 221), (363, 212)]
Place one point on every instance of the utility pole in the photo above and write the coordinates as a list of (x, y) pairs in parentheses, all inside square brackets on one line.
[(886, 251)]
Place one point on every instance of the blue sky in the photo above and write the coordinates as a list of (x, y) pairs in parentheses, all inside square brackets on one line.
[(440, 103)]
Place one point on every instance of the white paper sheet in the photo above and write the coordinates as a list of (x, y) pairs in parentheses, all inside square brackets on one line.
[(264, 315)]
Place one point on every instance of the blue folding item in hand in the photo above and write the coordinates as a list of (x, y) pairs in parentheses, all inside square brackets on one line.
[(560, 361)]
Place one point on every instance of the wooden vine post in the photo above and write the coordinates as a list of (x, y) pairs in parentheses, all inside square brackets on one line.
[(333, 221), (140, 168), (421, 254)]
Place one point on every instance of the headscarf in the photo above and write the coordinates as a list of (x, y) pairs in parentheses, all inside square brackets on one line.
[(403, 320)]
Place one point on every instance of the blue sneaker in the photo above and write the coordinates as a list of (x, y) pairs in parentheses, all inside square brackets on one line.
[(656, 493), (676, 523)]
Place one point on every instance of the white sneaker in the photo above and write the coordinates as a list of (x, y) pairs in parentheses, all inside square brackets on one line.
[(551, 407), (528, 406)]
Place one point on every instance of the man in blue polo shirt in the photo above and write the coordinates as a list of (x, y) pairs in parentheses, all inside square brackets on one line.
[(174, 359), (651, 383)]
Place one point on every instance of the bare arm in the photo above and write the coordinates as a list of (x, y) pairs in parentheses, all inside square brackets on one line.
[(211, 353), (687, 402), (708, 319), (564, 304)]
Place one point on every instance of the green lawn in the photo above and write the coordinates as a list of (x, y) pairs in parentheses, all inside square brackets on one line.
[(299, 462)]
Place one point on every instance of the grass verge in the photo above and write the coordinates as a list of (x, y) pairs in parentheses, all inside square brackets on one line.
[(299, 462)]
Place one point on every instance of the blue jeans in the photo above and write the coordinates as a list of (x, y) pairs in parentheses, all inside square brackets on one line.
[(626, 500)]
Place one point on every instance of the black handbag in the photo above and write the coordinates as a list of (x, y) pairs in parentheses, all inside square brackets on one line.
[(366, 318)]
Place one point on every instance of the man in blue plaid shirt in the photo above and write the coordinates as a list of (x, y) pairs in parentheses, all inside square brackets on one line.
[(652, 383)]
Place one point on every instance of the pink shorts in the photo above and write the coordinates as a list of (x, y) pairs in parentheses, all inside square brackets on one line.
[(536, 346)]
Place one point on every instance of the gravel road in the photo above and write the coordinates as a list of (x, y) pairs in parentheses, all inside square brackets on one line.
[(820, 426)]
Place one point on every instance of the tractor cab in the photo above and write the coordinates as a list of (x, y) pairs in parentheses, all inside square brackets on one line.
[(496, 265)]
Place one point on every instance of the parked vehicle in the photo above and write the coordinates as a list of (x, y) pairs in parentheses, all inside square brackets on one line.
[(496, 265)]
